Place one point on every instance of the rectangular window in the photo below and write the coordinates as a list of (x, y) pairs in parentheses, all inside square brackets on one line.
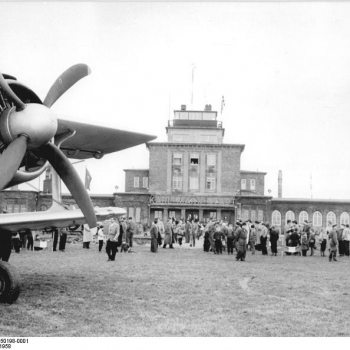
[(145, 182), (177, 158), (194, 183), (194, 158), (23, 208), (177, 182), (245, 214), (138, 215), (158, 214), (213, 215), (131, 213), (195, 115), (243, 184), (136, 181), (211, 183), (252, 184), (260, 215), (253, 215), (171, 214), (211, 159), (9, 207)]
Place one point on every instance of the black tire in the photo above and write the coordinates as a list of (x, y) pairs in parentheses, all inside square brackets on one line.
[(9, 283)]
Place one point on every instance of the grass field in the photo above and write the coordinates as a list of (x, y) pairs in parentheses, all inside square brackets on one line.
[(179, 293)]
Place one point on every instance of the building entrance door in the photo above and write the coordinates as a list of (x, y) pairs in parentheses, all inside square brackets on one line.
[(192, 214), (228, 216)]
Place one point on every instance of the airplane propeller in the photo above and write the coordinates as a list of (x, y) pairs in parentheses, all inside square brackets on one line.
[(30, 127)]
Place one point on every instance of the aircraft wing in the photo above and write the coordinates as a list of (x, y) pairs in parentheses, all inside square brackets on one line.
[(95, 140), (41, 220)]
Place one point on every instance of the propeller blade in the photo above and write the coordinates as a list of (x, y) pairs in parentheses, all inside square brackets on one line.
[(66, 80), (12, 96), (71, 179), (11, 159)]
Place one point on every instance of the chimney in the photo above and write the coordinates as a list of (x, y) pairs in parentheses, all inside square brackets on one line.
[(280, 184), (183, 107)]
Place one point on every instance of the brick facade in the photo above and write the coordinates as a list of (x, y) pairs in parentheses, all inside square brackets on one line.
[(259, 178), (310, 206), (131, 174)]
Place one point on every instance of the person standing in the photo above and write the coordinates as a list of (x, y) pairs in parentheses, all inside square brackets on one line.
[(194, 233), (16, 240), (101, 238), (217, 238), (240, 238), (274, 236), (346, 239), (188, 230), (63, 239), (323, 240), (131, 226), (112, 239), (144, 227), (230, 239), (252, 238), (211, 230), (206, 244), (312, 242), (333, 242), (30, 240), (340, 240), (168, 234), (304, 243), (5, 246), (263, 239), (55, 239), (154, 236), (87, 236), (295, 240), (160, 226)]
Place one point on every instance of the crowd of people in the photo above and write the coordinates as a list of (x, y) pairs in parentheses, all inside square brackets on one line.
[(219, 236)]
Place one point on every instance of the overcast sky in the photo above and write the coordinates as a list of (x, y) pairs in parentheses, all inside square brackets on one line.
[(283, 68)]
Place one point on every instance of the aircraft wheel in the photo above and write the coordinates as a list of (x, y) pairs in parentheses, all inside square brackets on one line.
[(9, 283)]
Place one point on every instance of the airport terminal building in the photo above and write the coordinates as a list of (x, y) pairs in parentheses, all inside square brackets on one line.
[(195, 174)]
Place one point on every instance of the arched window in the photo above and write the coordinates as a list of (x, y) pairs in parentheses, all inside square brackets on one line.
[(317, 219), (303, 216), (290, 216), (276, 218), (344, 218), (331, 217)]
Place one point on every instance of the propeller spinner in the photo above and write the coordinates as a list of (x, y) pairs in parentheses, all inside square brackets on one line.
[(25, 127)]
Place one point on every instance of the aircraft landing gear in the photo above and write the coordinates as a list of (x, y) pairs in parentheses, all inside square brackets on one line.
[(9, 283)]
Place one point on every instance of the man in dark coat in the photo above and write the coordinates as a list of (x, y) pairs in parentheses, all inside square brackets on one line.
[(263, 239), (274, 236), (240, 239), (63, 239), (333, 243), (154, 236)]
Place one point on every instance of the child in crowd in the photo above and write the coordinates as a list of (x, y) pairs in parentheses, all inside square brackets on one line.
[(101, 238)]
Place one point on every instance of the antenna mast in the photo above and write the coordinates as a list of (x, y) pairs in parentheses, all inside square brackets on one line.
[(193, 68)]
